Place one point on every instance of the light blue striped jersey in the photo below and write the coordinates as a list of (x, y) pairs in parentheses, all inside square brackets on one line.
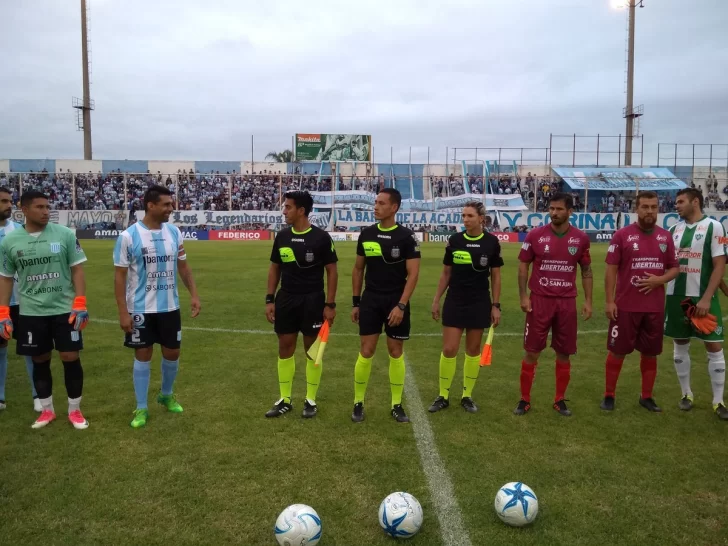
[(4, 230), (150, 255)]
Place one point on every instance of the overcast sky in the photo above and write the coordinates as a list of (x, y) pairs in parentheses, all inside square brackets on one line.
[(194, 80)]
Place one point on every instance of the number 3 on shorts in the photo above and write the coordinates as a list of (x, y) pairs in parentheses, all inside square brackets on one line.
[(615, 331)]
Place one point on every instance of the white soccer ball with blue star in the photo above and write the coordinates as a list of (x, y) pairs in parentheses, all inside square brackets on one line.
[(516, 504), (298, 525), (400, 515)]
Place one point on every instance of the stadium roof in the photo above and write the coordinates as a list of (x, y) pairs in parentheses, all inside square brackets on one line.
[(620, 178)]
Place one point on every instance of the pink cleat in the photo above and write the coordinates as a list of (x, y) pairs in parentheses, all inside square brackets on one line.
[(77, 420), (45, 418)]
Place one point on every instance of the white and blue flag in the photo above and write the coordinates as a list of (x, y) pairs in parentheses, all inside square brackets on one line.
[(4, 230)]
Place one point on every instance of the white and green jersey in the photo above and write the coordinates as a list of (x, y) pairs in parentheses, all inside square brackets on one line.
[(696, 245), (42, 262)]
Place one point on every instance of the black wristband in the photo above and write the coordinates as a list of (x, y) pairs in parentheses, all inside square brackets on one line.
[(270, 298), (355, 301)]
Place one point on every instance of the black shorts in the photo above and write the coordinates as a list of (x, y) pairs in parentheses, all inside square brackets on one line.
[(457, 313), (40, 335), (299, 313), (374, 310), (164, 329), (15, 317)]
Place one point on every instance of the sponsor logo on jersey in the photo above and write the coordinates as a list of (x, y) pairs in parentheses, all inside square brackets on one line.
[(574, 240), (546, 248), (42, 277), (722, 240), (554, 283), (688, 254), (472, 246), (294, 240), (661, 237), (526, 246), (45, 260), (160, 259), (160, 274), (380, 236), (635, 246), (634, 280), (544, 239), (631, 238), (43, 290), (309, 256), (663, 248), (561, 267), (55, 247), (572, 250), (395, 252)]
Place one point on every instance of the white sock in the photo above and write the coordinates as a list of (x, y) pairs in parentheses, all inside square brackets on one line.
[(74, 404), (47, 403), (716, 369), (681, 356)]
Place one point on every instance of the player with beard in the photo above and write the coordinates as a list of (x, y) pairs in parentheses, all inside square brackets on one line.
[(7, 226), (692, 308), (555, 250), (640, 262)]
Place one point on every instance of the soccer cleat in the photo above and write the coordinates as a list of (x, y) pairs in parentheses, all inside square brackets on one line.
[(170, 402), (468, 405), (560, 406), (3, 405), (686, 403), (77, 420), (399, 415), (608, 403), (721, 411), (650, 405), (309, 409), (140, 418), (45, 418), (37, 406), (440, 403), (522, 408), (358, 414), (279, 408)]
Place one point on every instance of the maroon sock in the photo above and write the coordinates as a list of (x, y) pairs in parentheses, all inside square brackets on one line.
[(527, 373), (563, 374), (613, 367), (648, 367)]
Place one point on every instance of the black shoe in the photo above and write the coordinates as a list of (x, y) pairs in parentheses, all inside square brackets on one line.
[(440, 403), (722, 412), (649, 404), (608, 403), (522, 408), (358, 414), (686, 403), (309, 409), (468, 404), (560, 406), (279, 408), (399, 415)]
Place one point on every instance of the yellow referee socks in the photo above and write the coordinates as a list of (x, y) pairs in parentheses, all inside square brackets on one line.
[(362, 369), (313, 378), (286, 370), (447, 371), (396, 378), (471, 369)]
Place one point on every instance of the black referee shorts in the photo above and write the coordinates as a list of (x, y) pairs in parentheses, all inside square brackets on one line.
[(374, 310), (299, 313), (466, 314)]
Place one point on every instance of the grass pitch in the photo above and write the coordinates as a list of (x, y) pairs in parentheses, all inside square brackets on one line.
[(220, 472)]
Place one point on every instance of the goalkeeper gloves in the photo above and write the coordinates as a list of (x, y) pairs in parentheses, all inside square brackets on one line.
[(79, 314), (704, 325), (6, 325)]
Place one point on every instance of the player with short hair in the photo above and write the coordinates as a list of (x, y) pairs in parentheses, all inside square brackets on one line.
[(390, 254), (692, 308), (6, 226), (300, 254), (47, 260), (555, 250), (640, 261), (471, 257), (148, 256)]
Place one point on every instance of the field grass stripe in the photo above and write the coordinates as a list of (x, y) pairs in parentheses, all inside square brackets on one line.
[(452, 527)]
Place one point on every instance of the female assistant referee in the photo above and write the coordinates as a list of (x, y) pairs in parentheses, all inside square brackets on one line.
[(472, 259)]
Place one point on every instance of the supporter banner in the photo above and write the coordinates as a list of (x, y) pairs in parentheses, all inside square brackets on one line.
[(358, 197), (81, 219), (348, 197), (620, 178), (359, 218), (223, 235), (323, 147), (593, 221), (114, 233), (233, 218)]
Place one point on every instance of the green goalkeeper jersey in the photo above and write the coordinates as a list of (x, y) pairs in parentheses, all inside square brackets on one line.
[(43, 264), (696, 245)]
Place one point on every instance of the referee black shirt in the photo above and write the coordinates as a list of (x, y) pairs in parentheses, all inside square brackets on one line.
[(471, 259), (303, 257), (386, 252)]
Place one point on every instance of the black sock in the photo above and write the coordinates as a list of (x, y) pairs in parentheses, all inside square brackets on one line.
[(73, 373), (42, 379)]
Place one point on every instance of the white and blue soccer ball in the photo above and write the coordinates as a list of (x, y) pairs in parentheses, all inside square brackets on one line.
[(400, 515), (516, 504), (298, 525)]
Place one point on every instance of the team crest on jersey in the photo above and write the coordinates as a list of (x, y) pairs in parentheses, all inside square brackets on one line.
[(483, 261), (663, 248), (395, 252), (309, 256), (573, 249), (719, 330), (55, 247), (698, 236)]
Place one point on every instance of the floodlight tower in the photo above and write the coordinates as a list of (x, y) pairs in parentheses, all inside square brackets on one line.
[(84, 106)]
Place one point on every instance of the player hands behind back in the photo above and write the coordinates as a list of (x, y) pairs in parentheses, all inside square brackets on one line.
[(640, 261), (471, 257), (47, 259), (147, 257), (300, 254), (692, 308), (555, 250)]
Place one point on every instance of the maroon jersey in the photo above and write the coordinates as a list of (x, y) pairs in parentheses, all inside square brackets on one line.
[(554, 259), (635, 253)]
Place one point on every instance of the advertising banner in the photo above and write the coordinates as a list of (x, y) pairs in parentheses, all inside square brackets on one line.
[(324, 147), (188, 235), (227, 235), (594, 221), (237, 218), (443, 236)]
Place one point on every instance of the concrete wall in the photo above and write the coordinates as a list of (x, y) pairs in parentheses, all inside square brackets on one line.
[(170, 167), (94, 166), (4, 166)]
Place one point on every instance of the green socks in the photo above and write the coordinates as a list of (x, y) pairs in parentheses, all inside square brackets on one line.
[(286, 370), (313, 378), (396, 378), (361, 377), (447, 371), (471, 369)]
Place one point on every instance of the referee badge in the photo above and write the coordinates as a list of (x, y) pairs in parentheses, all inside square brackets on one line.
[(55, 248), (483, 260), (309, 256), (395, 252)]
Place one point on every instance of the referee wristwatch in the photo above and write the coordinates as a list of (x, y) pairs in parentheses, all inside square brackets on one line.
[(402, 306), (497, 306), (330, 305)]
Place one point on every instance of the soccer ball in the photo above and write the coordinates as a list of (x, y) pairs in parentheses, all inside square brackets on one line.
[(400, 515), (516, 504), (298, 525)]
